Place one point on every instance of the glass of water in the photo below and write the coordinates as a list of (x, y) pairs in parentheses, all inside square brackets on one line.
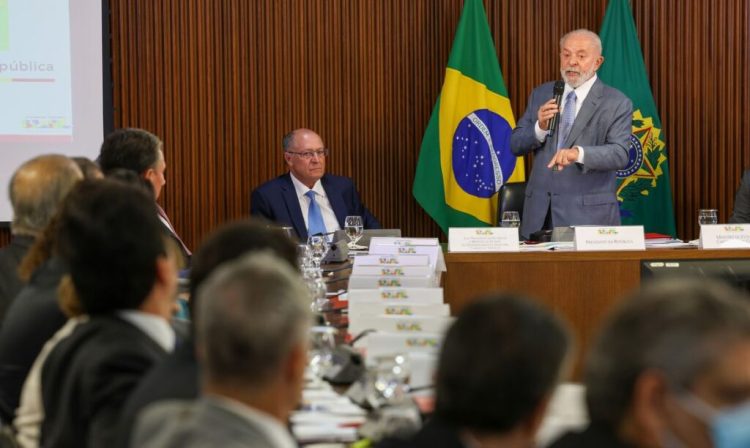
[(354, 230), (510, 219), (318, 248), (707, 216), (320, 355)]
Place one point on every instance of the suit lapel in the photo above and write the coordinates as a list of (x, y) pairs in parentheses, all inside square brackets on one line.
[(335, 199), (291, 201), (587, 111)]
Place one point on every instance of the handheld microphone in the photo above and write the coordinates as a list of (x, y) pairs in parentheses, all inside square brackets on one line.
[(558, 93)]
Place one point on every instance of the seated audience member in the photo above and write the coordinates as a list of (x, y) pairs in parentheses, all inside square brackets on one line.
[(110, 237), (498, 367), (36, 189), (252, 325), (89, 169), (141, 152), (307, 198), (671, 368), (741, 212), (35, 315), (177, 376), (30, 412)]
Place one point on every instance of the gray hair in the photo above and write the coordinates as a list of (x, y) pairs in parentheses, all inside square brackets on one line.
[(583, 32), (287, 140), (679, 327), (37, 189), (251, 313)]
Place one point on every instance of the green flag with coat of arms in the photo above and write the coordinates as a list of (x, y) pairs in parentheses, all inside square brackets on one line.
[(643, 188)]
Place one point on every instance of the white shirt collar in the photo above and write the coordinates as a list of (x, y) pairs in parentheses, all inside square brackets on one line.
[(157, 328), (277, 433), (301, 188), (582, 91)]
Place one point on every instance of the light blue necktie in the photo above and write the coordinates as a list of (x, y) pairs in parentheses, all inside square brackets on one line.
[(568, 117), (315, 224)]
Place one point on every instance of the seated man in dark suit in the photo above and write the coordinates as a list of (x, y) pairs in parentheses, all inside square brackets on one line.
[(36, 189), (110, 237), (176, 377), (307, 198), (671, 368), (141, 152), (741, 212), (252, 327), (498, 367)]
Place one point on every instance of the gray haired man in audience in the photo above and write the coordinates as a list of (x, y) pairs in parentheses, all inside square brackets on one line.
[(671, 369), (36, 190), (252, 341)]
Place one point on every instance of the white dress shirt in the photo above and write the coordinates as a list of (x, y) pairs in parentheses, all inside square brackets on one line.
[(329, 217), (157, 328), (581, 93)]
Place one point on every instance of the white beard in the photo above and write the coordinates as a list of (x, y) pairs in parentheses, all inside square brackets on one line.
[(582, 76)]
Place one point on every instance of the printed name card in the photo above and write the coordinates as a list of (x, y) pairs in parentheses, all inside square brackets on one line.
[(593, 238), (371, 282), (401, 295), (483, 239), (393, 271), (399, 324), (387, 309), (403, 242), (392, 260), (725, 236), (380, 344)]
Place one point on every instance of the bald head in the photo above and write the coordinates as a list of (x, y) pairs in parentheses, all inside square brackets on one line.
[(36, 190)]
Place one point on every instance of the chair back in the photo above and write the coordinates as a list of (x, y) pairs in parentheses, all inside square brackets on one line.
[(511, 198)]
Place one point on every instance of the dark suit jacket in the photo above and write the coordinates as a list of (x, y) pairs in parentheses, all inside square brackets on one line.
[(741, 213), (579, 194), (594, 436), (32, 319), (10, 257), (434, 434), (87, 378), (276, 200), (176, 377)]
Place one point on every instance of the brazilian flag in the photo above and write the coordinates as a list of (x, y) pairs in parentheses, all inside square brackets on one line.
[(465, 156), (643, 188)]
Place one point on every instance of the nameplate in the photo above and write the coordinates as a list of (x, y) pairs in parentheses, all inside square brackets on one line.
[(387, 309), (401, 295), (399, 323), (393, 271), (395, 241), (593, 238), (388, 343), (483, 239), (725, 236), (371, 282), (392, 260)]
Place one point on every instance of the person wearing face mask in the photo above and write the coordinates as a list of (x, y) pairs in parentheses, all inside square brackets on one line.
[(573, 180), (671, 368)]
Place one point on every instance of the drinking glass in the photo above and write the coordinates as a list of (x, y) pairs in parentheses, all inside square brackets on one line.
[(510, 219), (318, 248), (392, 376), (354, 230), (289, 231), (322, 344), (707, 216)]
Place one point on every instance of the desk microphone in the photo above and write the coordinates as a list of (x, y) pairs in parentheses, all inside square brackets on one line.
[(558, 93)]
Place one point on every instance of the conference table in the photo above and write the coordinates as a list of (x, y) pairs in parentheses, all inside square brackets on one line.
[(582, 287)]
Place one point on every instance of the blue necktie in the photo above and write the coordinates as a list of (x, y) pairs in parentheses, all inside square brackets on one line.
[(315, 224), (568, 117)]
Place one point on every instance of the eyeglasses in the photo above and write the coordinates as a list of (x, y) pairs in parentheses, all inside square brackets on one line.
[(307, 155)]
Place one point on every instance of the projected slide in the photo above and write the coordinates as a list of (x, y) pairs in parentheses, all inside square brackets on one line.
[(35, 74)]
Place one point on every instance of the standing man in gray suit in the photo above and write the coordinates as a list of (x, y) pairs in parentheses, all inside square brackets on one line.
[(573, 180), (252, 344)]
